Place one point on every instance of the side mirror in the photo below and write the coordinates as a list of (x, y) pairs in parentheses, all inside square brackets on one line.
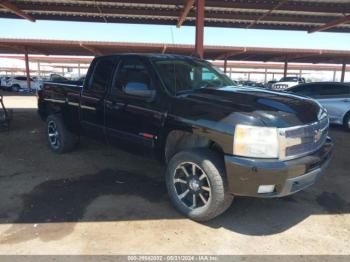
[(138, 89)]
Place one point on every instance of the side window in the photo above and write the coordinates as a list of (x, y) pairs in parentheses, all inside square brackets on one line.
[(302, 90), (131, 71), (207, 75), (101, 75), (332, 90)]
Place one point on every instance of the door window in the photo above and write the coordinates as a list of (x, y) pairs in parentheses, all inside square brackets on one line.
[(303, 90), (132, 71), (331, 90), (101, 75)]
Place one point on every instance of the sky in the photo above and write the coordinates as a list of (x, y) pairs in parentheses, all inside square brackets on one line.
[(16, 28)]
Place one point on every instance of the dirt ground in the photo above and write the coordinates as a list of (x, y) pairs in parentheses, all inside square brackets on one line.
[(100, 200)]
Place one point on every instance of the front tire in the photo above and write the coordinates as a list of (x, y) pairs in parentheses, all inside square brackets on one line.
[(197, 185), (346, 122), (60, 140), (15, 88)]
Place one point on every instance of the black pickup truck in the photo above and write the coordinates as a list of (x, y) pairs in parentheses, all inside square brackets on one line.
[(217, 140)]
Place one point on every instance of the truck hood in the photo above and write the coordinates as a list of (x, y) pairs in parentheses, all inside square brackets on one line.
[(250, 106)]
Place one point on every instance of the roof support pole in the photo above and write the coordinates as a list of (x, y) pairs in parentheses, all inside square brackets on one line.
[(265, 79), (343, 73), (39, 73), (26, 59), (334, 75), (285, 72), (199, 46), (79, 70), (225, 65)]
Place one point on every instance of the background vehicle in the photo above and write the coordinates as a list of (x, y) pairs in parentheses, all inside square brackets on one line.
[(270, 84), (3, 81), (19, 83), (217, 140), (251, 84), (335, 97), (288, 82)]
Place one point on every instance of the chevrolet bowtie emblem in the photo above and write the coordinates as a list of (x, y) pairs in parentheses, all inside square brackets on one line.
[(318, 135)]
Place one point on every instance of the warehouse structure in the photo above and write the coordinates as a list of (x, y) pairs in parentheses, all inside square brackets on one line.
[(312, 16)]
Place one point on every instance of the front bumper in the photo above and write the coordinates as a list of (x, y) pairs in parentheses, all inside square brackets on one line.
[(245, 175)]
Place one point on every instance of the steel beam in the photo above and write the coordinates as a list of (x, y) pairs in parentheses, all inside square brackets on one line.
[(91, 49), (285, 71), (14, 9), (331, 24), (199, 46), (278, 5), (230, 54), (225, 65), (343, 70), (164, 49), (187, 8), (26, 59)]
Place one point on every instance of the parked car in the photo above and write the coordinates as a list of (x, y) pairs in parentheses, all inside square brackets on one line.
[(335, 97), (217, 140), (251, 84), (3, 81), (270, 84), (19, 83), (288, 82)]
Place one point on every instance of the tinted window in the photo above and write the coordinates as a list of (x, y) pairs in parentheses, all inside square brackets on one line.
[(131, 70), (21, 78), (330, 89), (101, 75), (302, 89), (321, 89)]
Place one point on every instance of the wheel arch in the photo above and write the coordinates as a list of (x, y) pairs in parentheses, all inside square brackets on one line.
[(178, 140)]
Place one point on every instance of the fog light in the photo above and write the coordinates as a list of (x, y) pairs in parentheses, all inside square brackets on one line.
[(264, 189)]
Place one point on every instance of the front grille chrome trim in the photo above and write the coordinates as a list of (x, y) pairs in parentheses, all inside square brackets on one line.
[(302, 138)]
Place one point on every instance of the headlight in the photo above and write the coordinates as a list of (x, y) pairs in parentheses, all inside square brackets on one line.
[(257, 142)]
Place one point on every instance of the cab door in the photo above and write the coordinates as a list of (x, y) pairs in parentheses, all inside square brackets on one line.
[(93, 95), (134, 115)]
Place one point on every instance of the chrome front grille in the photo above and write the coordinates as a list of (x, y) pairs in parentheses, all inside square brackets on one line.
[(302, 140), (280, 87)]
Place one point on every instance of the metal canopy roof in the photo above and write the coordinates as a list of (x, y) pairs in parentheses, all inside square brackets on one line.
[(307, 15), (89, 48)]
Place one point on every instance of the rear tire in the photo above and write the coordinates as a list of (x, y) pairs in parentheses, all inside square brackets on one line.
[(200, 193), (346, 122), (59, 138)]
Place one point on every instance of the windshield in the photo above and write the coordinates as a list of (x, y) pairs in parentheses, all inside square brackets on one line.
[(289, 79), (182, 75)]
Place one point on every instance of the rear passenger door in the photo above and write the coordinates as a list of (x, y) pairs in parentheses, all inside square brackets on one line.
[(93, 95)]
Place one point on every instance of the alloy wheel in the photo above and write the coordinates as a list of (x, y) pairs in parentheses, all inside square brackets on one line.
[(192, 185), (54, 137)]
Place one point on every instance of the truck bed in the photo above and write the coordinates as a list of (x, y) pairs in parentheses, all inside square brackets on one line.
[(60, 97)]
